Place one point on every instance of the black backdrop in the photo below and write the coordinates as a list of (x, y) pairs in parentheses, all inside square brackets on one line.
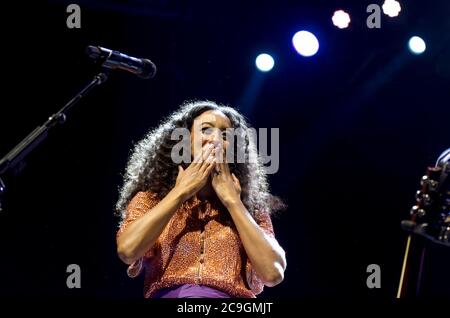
[(359, 123)]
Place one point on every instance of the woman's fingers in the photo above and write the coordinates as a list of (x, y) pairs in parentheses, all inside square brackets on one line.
[(236, 181), (223, 168), (206, 150), (210, 161), (208, 154), (180, 174), (197, 158), (202, 156), (219, 162), (209, 167)]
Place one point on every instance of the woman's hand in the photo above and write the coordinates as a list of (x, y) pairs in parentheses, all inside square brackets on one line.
[(195, 176), (225, 184)]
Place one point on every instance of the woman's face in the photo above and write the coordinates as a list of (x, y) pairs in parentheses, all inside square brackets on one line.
[(209, 128)]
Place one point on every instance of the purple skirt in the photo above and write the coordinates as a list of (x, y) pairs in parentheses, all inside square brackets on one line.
[(190, 291)]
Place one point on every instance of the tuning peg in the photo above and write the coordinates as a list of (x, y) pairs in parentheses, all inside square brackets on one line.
[(423, 180), (416, 210), (423, 198), (429, 183)]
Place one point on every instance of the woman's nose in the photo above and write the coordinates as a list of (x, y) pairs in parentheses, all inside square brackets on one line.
[(215, 139)]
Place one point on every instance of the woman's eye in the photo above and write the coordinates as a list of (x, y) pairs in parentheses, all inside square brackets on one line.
[(206, 130)]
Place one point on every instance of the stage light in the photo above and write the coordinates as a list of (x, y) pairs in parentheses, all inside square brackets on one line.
[(341, 19), (417, 45), (391, 8), (305, 43), (264, 62)]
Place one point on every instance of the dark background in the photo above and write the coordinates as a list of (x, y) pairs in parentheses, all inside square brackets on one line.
[(359, 123)]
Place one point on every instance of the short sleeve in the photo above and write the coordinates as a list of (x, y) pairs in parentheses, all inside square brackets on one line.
[(264, 222), (254, 281), (140, 204)]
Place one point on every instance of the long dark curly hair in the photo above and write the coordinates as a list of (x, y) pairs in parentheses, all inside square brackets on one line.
[(151, 168)]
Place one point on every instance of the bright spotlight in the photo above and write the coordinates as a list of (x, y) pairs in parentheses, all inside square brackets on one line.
[(391, 8), (264, 62), (417, 45), (305, 43), (341, 19)]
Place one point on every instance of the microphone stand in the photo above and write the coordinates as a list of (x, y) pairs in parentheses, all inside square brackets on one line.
[(37, 136)]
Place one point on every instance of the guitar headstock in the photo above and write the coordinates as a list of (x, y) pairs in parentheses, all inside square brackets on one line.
[(430, 216)]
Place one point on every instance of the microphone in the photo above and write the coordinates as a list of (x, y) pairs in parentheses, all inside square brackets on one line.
[(110, 59)]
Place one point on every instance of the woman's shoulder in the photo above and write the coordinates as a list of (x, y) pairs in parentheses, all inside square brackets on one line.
[(146, 196)]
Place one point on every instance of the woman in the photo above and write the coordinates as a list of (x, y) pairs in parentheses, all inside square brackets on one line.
[(200, 228)]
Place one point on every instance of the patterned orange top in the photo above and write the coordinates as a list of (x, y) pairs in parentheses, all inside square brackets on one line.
[(199, 245)]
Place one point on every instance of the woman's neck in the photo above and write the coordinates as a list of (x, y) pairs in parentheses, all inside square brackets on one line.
[(207, 192)]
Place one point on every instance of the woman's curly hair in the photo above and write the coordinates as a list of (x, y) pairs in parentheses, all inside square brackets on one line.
[(151, 168)]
